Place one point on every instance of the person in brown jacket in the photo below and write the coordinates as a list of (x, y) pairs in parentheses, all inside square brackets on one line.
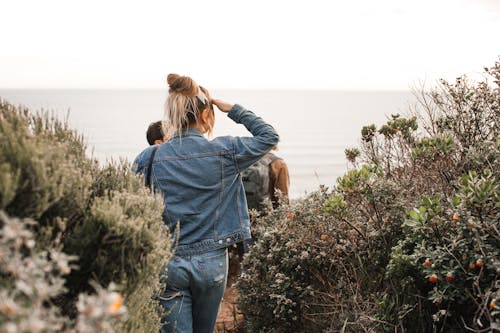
[(279, 180), (264, 180)]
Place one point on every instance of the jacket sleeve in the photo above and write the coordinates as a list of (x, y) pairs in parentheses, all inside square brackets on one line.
[(249, 150), (139, 166)]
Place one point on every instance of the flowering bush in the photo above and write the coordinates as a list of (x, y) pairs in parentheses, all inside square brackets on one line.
[(100, 312), (32, 279), (103, 217), (407, 240)]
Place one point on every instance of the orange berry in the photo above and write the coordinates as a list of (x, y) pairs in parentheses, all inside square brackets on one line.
[(427, 263), (472, 266), (116, 303), (492, 304), (291, 216), (450, 276), (433, 278), (455, 217), (479, 263), (323, 237)]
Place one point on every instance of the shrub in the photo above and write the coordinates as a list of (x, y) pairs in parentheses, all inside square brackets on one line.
[(102, 215), (122, 240), (433, 273), (388, 248), (46, 174), (32, 279), (452, 250), (314, 261), (291, 268)]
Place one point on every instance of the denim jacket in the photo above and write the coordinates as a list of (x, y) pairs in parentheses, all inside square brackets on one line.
[(201, 183)]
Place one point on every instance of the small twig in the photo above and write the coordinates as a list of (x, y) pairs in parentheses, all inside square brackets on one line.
[(473, 329), (352, 226)]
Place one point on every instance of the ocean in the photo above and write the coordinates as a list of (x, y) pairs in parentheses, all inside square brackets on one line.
[(315, 126)]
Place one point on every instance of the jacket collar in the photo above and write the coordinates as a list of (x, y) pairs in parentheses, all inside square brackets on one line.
[(187, 132)]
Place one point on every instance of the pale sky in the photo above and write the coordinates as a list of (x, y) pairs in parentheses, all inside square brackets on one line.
[(253, 44)]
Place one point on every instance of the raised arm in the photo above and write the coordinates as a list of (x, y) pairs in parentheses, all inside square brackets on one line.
[(249, 150)]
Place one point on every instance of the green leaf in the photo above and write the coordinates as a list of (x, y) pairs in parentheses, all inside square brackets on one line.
[(410, 223), (414, 214)]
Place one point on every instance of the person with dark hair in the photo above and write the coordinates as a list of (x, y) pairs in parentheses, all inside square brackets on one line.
[(204, 200), (154, 134)]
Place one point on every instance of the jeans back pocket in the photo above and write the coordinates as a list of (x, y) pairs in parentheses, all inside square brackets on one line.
[(213, 267)]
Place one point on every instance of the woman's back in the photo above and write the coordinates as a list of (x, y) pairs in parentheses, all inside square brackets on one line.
[(201, 183), (204, 199)]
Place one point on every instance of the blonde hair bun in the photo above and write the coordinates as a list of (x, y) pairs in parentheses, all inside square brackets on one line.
[(182, 84)]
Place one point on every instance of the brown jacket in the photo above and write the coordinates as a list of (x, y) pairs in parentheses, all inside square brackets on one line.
[(279, 179)]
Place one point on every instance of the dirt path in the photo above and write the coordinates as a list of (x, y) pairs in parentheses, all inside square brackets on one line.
[(230, 319)]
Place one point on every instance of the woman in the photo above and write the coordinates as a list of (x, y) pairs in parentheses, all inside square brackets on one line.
[(203, 195)]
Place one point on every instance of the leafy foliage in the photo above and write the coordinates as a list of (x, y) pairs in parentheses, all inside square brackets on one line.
[(407, 240), (102, 215), (31, 280)]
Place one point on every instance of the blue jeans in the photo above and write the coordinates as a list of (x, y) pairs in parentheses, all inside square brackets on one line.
[(193, 292)]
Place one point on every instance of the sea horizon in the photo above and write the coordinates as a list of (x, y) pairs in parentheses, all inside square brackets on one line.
[(315, 126)]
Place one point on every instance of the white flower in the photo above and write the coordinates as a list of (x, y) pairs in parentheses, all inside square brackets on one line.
[(35, 325), (10, 328)]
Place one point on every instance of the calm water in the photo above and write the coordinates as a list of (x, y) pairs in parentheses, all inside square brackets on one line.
[(315, 126)]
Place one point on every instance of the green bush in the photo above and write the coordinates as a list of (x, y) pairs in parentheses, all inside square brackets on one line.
[(102, 215), (388, 248), (453, 252), (280, 274), (316, 262), (31, 279)]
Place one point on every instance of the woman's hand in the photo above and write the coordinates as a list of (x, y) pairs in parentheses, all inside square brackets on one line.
[(221, 105)]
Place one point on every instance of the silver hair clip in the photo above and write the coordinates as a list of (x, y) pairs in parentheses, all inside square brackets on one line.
[(201, 97)]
